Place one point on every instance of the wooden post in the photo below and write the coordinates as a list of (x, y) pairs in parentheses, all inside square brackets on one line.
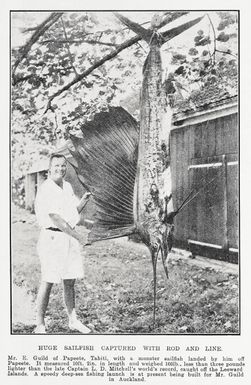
[(29, 191), (225, 213), (27, 196), (40, 179)]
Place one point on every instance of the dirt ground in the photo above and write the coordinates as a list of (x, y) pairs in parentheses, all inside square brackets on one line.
[(116, 295)]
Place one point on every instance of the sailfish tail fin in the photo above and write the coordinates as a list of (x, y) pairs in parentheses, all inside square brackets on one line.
[(106, 158), (144, 33), (171, 33), (147, 34)]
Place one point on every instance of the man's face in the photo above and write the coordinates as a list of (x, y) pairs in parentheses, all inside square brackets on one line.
[(57, 169)]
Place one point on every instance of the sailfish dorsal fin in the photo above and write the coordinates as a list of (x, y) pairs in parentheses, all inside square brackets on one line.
[(107, 160)]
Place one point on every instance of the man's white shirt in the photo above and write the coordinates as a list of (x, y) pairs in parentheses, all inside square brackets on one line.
[(52, 199)]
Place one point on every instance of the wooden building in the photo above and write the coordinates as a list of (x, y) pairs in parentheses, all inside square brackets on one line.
[(33, 179), (204, 159)]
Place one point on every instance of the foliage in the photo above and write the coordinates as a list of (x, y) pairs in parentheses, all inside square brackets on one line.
[(74, 42), (18, 192), (212, 61)]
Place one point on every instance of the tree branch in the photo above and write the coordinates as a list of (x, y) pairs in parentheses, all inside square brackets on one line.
[(213, 29), (142, 47), (80, 77), (144, 33), (226, 53), (40, 30), (21, 79), (68, 47), (128, 43), (73, 41), (215, 45)]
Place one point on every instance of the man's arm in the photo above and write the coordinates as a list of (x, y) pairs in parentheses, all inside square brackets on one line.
[(83, 201), (66, 228)]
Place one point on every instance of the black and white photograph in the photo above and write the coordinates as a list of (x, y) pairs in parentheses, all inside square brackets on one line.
[(124, 163)]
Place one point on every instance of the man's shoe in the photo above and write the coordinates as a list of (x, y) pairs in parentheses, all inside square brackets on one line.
[(39, 329), (78, 326)]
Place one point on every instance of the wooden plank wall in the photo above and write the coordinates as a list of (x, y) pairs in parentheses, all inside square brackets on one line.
[(199, 144)]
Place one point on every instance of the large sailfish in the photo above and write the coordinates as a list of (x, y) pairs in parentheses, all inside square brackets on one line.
[(128, 168)]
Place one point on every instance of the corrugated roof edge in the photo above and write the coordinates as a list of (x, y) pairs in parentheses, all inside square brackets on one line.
[(182, 114)]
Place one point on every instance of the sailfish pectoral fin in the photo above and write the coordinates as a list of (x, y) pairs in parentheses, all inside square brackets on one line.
[(164, 258), (166, 245), (144, 33), (171, 33)]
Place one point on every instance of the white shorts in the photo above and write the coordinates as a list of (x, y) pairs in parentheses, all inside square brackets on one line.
[(60, 256)]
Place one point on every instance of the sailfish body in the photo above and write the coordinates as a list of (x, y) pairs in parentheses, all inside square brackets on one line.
[(126, 167), (153, 154)]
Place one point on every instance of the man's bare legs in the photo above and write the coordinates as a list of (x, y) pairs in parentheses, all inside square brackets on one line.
[(42, 303), (69, 297)]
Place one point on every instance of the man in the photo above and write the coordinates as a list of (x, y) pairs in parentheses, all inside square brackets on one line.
[(57, 210)]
